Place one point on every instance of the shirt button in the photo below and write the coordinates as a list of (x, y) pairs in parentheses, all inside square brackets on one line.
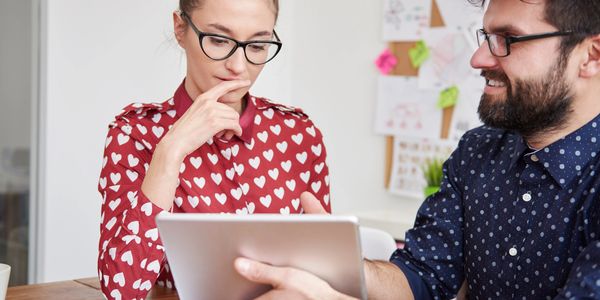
[(526, 197), (535, 158), (512, 251)]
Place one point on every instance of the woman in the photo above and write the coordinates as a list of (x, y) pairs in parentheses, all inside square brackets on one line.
[(212, 148)]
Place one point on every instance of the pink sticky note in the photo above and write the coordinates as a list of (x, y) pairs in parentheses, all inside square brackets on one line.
[(386, 62)]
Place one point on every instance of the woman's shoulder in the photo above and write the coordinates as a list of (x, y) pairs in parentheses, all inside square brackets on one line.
[(285, 116), (270, 107), (138, 112)]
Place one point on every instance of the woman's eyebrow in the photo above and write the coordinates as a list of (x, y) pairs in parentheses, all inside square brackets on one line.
[(228, 31)]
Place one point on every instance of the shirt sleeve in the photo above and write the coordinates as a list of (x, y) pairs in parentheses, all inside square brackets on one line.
[(130, 255), (433, 248), (319, 180), (584, 277), (418, 286)]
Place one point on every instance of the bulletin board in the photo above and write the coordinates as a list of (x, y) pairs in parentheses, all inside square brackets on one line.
[(405, 155), (405, 68)]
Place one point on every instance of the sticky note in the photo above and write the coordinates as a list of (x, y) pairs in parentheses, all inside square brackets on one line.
[(418, 54), (448, 97), (386, 62)]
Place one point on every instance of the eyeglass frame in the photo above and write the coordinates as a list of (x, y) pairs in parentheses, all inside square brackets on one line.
[(508, 39), (238, 44)]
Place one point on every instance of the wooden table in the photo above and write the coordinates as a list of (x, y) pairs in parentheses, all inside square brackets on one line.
[(85, 288)]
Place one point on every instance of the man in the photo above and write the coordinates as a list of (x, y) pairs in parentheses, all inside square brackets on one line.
[(518, 213)]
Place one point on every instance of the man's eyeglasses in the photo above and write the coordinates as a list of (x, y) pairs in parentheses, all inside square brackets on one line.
[(220, 47), (500, 44)]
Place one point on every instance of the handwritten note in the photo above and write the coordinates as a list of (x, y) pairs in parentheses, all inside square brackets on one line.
[(450, 59), (404, 109), (418, 54), (409, 155), (463, 16), (386, 62), (405, 20)]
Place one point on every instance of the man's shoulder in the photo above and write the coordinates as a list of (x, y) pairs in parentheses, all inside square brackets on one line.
[(488, 139), (486, 134)]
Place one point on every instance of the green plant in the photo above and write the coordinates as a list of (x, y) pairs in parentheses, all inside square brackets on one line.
[(432, 171)]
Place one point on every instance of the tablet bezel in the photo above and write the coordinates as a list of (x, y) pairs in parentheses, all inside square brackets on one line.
[(326, 245)]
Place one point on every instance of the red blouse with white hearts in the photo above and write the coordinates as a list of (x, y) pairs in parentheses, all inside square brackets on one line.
[(279, 155)]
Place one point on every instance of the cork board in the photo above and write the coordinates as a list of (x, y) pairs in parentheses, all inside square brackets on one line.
[(404, 68)]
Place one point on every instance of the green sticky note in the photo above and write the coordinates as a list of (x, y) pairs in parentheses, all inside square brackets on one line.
[(448, 97), (418, 54)]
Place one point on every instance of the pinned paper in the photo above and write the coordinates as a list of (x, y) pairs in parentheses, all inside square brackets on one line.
[(465, 115), (449, 62), (448, 97), (386, 62), (463, 16), (403, 109), (410, 154), (405, 20), (418, 54)]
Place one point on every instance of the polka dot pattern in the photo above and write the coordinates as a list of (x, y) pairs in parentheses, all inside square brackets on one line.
[(511, 221)]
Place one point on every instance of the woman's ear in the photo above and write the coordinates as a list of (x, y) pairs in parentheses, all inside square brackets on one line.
[(591, 66), (179, 28)]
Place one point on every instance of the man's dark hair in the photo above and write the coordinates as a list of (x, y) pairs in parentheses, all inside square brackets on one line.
[(579, 16)]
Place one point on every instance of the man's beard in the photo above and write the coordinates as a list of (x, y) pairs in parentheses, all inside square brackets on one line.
[(534, 107)]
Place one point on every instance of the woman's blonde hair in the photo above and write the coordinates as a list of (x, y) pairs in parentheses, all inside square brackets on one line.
[(187, 6)]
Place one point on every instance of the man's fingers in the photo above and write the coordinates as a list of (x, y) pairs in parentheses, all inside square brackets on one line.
[(310, 204), (258, 272), (278, 294)]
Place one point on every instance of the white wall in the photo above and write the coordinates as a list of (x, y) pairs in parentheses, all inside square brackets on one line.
[(101, 55), (335, 82)]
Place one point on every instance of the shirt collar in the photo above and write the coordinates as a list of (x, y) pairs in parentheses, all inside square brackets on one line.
[(518, 146), (183, 101), (566, 158)]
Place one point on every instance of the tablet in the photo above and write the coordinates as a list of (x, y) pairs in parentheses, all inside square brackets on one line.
[(201, 249)]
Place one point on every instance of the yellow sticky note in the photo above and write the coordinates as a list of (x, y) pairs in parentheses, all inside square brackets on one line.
[(448, 97), (418, 54)]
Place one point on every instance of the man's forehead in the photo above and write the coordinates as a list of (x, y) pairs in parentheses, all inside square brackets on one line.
[(516, 16)]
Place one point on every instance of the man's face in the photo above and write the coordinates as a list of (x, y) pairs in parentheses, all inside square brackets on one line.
[(528, 90)]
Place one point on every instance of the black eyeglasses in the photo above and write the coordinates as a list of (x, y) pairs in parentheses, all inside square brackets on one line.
[(500, 44), (220, 47)]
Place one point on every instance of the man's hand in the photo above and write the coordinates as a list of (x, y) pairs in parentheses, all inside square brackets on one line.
[(287, 283)]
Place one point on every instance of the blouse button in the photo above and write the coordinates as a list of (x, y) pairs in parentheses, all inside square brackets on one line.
[(534, 158), (512, 251), (526, 197)]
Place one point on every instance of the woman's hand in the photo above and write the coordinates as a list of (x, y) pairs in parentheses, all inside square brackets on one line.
[(205, 118)]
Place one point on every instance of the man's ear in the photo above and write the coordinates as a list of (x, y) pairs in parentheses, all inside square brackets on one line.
[(591, 66), (179, 28)]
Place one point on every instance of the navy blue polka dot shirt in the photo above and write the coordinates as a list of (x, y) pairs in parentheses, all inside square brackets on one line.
[(514, 222)]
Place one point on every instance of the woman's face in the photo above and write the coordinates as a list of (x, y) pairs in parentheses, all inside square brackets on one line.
[(242, 20)]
